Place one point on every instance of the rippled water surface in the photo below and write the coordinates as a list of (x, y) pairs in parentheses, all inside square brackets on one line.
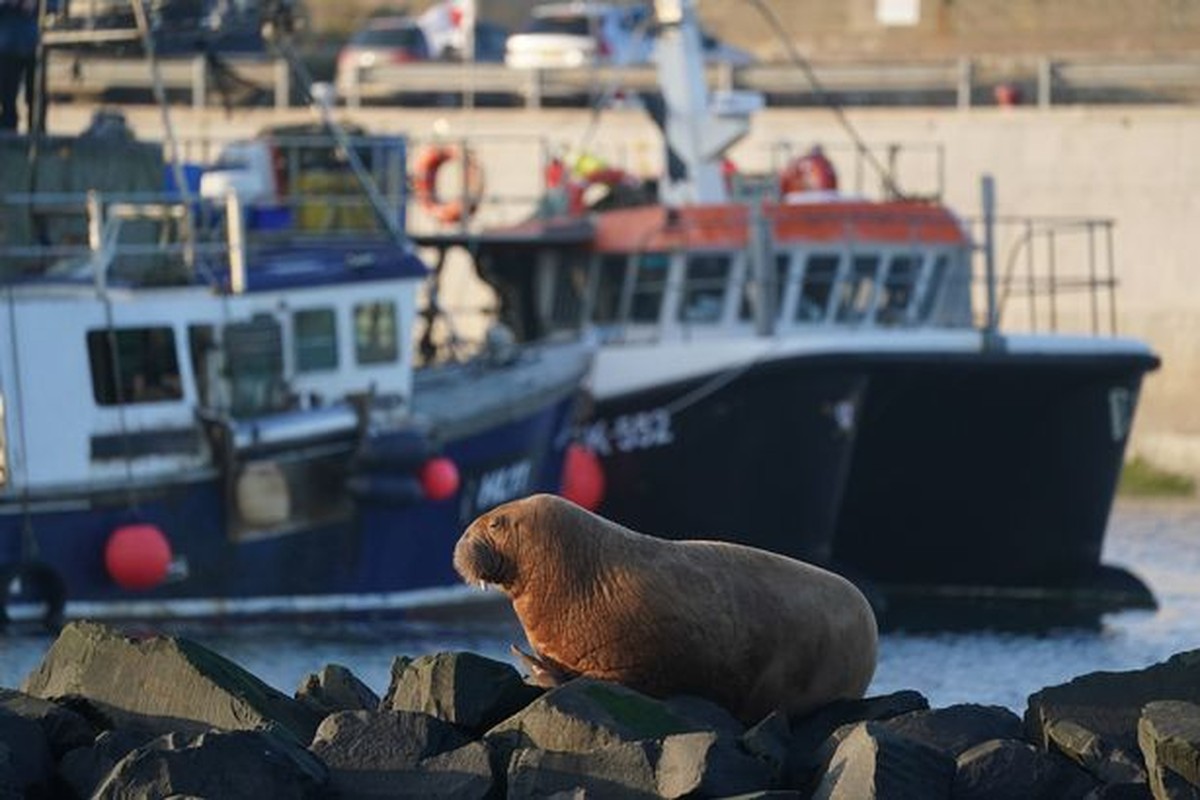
[(1158, 542)]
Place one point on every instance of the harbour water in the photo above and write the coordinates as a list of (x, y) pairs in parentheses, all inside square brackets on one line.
[(998, 664)]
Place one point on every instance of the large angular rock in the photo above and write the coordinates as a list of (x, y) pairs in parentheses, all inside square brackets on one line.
[(26, 754), (401, 754), (64, 729), (85, 768), (466, 689), (335, 688), (809, 733), (705, 764), (619, 769), (1096, 715), (1002, 769), (163, 685), (1169, 738), (872, 763), (231, 765), (585, 714), (956, 729)]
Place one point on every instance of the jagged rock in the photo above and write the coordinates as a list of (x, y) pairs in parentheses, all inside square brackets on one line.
[(1169, 738), (585, 714), (706, 764), (64, 729), (163, 685), (872, 762), (231, 765), (26, 754), (85, 768), (769, 741), (1001, 769), (956, 729), (1107, 706), (618, 769), (463, 688), (767, 794), (1095, 754), (335, 688), (809, 733), (705, 714), (395, 754)]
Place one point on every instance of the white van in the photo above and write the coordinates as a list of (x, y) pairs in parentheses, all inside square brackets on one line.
[(582, 34)]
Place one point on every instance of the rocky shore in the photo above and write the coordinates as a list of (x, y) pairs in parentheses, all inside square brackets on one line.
[(105, 716)]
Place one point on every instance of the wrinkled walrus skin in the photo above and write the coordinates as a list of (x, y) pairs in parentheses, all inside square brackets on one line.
[(750, 630)]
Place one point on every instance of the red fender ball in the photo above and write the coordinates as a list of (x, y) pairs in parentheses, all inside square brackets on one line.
[(137, 556), (583, 477), (439, 478)]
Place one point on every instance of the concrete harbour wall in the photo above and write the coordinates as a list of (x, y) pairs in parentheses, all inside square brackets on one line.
[(1139, 166)]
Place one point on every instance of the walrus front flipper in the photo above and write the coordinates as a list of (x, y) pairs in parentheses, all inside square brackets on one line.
[(544, 672)]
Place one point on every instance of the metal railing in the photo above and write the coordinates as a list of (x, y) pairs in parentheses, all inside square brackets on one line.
[(962, 82)]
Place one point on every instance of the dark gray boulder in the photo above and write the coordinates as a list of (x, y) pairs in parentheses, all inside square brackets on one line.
[(401, 754), (1093, 719), (64, 729), (85, 768), (335, 688), (586, 714), (809, 733), (770, 742), (706, 764), (1002, 769), (1169, 738), (871, 762), (163, 685), (30, 765), (618, 769), (466, 689), (231, 765), (956, 729)]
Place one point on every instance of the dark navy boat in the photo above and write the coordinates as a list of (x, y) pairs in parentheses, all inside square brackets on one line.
[(210, 412)]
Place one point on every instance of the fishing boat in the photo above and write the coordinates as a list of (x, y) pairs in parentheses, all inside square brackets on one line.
[(823, 374), (218, 409)]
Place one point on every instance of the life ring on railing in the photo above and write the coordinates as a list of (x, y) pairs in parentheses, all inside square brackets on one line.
[(812, 172), (38, 583), (425, 179)]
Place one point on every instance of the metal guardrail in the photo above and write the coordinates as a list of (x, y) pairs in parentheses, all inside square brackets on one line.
[(961, 82)]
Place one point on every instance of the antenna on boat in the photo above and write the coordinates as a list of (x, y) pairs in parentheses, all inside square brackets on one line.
[(889, 182), (697, 128)]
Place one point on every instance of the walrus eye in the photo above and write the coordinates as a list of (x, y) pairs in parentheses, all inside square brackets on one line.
[(497, 522)]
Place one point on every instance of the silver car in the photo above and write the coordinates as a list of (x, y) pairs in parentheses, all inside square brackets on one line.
[(581, 34)]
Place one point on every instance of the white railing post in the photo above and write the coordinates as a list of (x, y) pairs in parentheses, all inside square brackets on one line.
[(966, 77), (199, 82), (1045, 82), (283, 84)]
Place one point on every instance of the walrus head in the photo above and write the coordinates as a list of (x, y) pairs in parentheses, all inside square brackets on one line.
[(482, 554)]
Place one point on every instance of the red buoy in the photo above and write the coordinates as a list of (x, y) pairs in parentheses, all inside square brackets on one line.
[(439, 478), (583, 477), (137, 556)]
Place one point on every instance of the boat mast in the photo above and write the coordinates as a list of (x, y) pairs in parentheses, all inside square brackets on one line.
[(698, 127)]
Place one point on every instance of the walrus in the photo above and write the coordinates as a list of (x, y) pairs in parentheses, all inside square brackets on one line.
[(750, 630)]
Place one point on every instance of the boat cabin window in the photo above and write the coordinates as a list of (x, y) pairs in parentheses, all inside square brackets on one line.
[(376, 336), (705, 282), (315, 339), (570, 281), (858, 290), (133, 365), (899, 287), (610, 287), (750, 287), (933, 287), (254, 366), (649, 285), (816, 287)]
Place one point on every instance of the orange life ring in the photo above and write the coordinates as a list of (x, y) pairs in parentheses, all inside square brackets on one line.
[(808, 173), (425, 178)]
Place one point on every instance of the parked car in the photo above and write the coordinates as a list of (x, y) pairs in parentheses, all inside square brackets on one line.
[(580, 34), (382, 42)]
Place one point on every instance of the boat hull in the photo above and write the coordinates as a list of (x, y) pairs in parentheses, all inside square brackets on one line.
[(1046, 436), (759, 460), (382, 557)]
